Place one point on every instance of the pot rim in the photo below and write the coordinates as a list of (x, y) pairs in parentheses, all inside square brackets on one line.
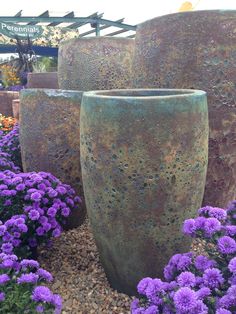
[(142, 93)]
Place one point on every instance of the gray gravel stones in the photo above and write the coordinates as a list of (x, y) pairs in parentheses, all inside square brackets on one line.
[(79, 277)]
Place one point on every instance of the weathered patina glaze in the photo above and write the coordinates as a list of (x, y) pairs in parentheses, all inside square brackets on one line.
[(50, 137), (197, 50), (95, 63), (42, 80), (144, 162), (6, 98)]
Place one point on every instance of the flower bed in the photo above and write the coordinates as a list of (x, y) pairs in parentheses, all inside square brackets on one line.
[(197, 283), (22, 289), (33, 208)]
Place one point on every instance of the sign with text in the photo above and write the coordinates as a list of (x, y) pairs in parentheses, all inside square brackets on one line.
[(40, 35)]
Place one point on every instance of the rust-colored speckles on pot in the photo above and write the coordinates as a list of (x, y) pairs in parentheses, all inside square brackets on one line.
[(144, 161), (95, 63), (50, 137), (197, 50), (6, 98)]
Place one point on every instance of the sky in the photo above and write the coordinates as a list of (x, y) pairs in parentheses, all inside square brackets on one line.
[(134, 11)]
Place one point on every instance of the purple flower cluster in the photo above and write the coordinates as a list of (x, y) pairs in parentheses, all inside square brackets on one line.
[(15, 88), (28, 275), (10, 144), (197, 284), (40, 201), (7, 164)]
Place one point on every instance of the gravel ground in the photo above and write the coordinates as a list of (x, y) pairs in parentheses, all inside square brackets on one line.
[(79, 277)]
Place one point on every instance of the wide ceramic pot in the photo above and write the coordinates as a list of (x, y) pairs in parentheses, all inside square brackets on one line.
[(6, 98), (42, 80), (144, 161), (50, 138), (15, 108), (197, 50), (95, 63)]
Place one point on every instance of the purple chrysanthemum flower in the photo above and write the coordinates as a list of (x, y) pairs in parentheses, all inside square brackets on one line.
[(20, 187), (23, 228), (44, 274), (202, 263), (213, 278), (61, 190), (134, 305), (200, 308), (212, 225), (153, 309), (52, 193), (40, 231), (39, 309), (47, 226), (34, 214), (3, 229), (7, 248), (36, 196), (223, 311), (226, 245), (203, 292), (4, 278), (42, 294), (2, 296), (56, 233), (232, 265), (184, 262), (7, 203), (52, 211), (216, 212), (57, 301), (186, 279), (185, 300), (65, 211), (230, 230), (27, 278), (25, 263), (143, 284)]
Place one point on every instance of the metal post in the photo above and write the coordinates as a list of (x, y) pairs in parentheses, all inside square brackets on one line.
[(97, 29)]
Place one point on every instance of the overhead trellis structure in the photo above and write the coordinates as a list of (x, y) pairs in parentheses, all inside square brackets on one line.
[(96, 21), (47, 32)]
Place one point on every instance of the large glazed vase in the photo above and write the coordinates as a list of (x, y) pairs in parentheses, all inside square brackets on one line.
[(95, 63), (50, 137), (144, 161), (42, 80), (6, 98), (197, 50)]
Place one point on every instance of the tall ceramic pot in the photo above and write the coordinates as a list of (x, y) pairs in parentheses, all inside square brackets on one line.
[(6, 98), (50, 138), (95, 63), (42, 80), (197, 50), (144, 162)]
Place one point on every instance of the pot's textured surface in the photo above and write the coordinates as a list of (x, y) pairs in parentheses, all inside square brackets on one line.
[(95, 63), (197, 50), (42, 80), (15, 108), (50, 137), (144, 162), (6, 98)]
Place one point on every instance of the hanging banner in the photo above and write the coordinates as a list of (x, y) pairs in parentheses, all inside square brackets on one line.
[(40, 35)]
